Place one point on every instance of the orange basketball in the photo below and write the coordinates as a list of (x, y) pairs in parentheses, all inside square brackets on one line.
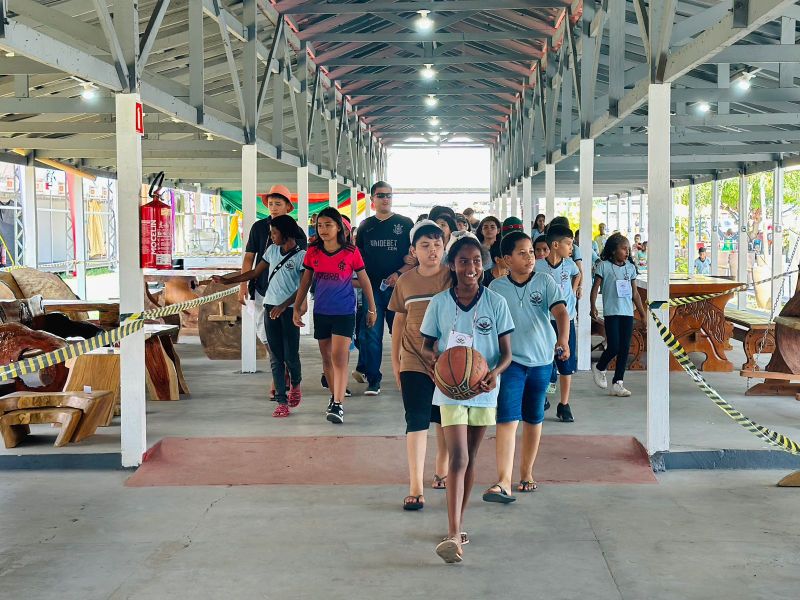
[(459, 371)]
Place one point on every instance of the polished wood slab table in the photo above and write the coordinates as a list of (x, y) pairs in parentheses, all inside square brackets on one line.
[(108, 309), (701, 326)]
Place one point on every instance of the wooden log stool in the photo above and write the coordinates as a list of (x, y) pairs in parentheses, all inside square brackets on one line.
[(97, 370), (220, 325)]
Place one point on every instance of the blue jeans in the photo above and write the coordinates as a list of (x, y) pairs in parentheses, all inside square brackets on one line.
[(522, 393), (370, 345)]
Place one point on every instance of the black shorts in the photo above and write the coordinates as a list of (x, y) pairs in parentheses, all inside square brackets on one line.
[(327, 325), (417, 391)]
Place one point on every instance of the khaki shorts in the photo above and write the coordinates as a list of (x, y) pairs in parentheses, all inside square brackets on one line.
[(474, 416)]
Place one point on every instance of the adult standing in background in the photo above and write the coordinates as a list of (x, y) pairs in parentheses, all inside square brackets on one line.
[(473, 220), (384, 241), (601, 238)]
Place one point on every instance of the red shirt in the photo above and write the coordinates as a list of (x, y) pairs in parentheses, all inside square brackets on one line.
[(333, 275)]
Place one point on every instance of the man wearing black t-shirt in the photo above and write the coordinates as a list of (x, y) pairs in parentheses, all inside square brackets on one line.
[(278, 203), (383, 240)]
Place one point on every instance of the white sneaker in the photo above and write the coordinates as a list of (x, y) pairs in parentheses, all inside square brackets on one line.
[(599, 377), (619, 390)]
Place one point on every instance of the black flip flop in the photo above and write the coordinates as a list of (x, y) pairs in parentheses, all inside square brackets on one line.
[(501, 497), (413, 503)]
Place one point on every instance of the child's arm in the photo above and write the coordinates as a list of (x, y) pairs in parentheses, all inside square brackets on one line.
[(398, 326), (372, 312), (637, 300), (490, 381), (593, 297), (576, 283), (559, 311), (246, 276), (300, 304), (429, 353), (277, 311)]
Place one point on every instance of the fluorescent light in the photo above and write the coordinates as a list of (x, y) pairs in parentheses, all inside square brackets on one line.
[(434, 121), (431, 100), (703, 107), (423, 22), (89, 91), (428, 72)]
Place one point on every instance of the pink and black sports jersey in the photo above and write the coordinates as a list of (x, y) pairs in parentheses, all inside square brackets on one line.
[(333, 279)]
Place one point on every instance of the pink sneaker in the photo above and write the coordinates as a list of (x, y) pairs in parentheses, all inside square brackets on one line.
[(295, 396), (281, 411)]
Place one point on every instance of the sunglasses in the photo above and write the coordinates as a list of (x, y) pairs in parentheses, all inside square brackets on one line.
[(382, 195)]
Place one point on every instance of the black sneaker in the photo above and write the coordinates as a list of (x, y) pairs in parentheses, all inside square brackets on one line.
[(373, 389), (347, 393), (546, 404), (324, 381), (564, 413), (335, 413)]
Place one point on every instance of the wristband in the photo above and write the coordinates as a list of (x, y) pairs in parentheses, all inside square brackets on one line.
[(372, 312)]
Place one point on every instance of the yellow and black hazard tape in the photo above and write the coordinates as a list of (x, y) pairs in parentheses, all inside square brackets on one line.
[(174, 309), (772, 437), (49, 359), (692, 299)]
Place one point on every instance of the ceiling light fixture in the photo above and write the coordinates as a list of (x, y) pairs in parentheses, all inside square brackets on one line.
[(743, 83), (423, 23), (703, 107), (428, 72), (434, 121), (89, 91), (431, 100)]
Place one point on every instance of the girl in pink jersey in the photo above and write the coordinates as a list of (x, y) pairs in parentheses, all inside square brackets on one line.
[(331, 261)]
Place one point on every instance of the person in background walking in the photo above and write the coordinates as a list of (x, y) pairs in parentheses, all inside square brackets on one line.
[(538, 225), (473, 220), (702, 264)]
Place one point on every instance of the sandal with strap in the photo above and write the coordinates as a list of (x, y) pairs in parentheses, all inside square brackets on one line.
[(439, 483), (413, 503), (501, 497), (449, 550), (527, 486)]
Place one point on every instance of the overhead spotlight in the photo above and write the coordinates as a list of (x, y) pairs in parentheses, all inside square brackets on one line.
[(89, 91), (423, 23), (428, 72), (431, 100), (576, 169), (434, 121), (703, 107), (209, 137), (743, 83)]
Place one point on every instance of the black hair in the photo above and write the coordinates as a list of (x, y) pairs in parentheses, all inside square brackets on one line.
[(612, 243), (468, 211), (479, 232), (421, 217), (540, 239), (286, 226), (462, 219), (544, 218), (559, 221), (376, 185), (341, 236), (510, 240), (431, 231), (701, 249), (465, 240), (494, 252), (556, 233), (451, 222), (437, 211)]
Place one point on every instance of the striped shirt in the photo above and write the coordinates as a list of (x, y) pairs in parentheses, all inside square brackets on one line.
[(411, 296)]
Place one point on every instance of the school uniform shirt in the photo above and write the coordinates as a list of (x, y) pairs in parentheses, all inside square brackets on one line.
[(258, 241), (384, 245), (286, 280), (411, 296), (487, 319), (563, 273), (333, 278), (702, 267), (534, 339), (610, 273)]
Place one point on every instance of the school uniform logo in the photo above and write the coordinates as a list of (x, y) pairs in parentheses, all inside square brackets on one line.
[(484, 326), (398, 229), (461, 340), (341, 265), (536, 298), (290, 265), (316, 263)]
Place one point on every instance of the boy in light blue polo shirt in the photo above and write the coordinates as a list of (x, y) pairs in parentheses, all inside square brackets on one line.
[(567, 276), (532, 298), (702, 264)]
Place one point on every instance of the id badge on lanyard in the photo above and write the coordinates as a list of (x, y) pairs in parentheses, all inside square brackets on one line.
[(456, 338), (624, 288)]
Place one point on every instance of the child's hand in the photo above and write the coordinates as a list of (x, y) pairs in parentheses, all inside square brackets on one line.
[(372, 316), (299, 311), (593, 312), (564, 348), (578, 292), (396, 369), (490, 381), (410, 260), (242, 294), (218, 279), (276, 312), (429, 357)]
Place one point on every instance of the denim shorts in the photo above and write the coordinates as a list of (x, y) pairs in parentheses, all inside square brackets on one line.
[(569, 366), (522, 393)]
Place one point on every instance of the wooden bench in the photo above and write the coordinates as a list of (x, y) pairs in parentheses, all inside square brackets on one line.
[(755, 331), (78, 414), (784, 367)]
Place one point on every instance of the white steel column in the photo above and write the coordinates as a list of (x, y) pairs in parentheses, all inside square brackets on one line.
[(642, 208), (715, 202), (527, 204), (659, 206), (777, 237), (333, 193), (549, 192), (692, 241), (30, 254), (501, 214), (741, 249), (302, 198), (584, 341), (514, 208), (353, 205), (249, 202), (630, 216), (671, 243), (608, 215), (619, 213), (80, 235), (368, 208), (129, 198)]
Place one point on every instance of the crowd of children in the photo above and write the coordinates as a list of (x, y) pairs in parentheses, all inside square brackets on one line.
[(447, 280)]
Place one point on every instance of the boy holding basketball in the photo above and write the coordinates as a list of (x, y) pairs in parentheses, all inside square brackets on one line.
[(532, 298)]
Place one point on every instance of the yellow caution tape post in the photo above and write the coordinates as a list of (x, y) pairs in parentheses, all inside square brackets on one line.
[(772, 437)]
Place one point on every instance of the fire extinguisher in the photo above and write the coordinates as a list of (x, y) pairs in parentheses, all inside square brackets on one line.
[(156, 229)]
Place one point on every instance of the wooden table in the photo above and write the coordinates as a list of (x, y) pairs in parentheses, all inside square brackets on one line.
[(700, 326), (108, 309)]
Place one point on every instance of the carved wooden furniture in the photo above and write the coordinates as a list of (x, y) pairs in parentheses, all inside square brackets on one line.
[(165, 379), (97, 370), (755, 331), (108, 309), (18, 342), (701, 326), (78, 414), (220, 326)]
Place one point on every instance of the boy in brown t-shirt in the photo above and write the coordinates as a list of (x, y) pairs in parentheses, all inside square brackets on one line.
[(412, 293)]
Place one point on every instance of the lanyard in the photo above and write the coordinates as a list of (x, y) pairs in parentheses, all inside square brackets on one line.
[(625, 275)]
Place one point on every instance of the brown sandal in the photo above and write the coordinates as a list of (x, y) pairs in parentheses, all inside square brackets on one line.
[(413, 503), (439, 483), (449, 550), (527, 486)]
